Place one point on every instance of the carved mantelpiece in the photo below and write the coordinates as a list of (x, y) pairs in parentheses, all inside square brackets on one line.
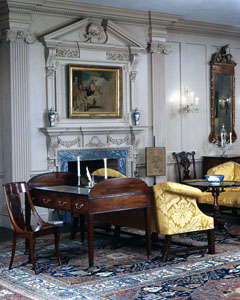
[(75, 141)]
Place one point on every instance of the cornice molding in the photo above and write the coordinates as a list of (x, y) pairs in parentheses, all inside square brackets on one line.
[(207, 29), (77, 10), (161, 23)]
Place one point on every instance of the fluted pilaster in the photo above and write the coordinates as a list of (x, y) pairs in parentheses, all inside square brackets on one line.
[(158, 52), (20, 103)]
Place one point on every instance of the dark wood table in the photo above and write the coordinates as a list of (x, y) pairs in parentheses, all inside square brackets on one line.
[(215, 189), (110, 195)]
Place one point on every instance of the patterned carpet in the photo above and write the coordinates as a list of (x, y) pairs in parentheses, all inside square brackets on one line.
[(123, 273)]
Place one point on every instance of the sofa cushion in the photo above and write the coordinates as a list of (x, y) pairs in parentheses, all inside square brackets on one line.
[(228, 198), (227, 169), (236, 172)]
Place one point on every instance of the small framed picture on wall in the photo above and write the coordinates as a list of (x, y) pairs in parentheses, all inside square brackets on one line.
[(155, 161)]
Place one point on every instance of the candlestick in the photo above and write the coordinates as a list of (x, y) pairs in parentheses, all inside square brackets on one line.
[(105, 167), (221, 139), (78, 170), (88, 174)]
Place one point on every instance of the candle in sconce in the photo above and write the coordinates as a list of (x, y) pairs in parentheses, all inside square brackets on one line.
[(105, 167)]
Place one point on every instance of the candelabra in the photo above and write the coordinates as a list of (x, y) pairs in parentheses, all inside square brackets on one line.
[(189, 104), (224, 143)]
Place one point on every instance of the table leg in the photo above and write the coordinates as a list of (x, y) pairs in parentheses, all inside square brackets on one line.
[(147, 212), (90, 229), (216, 211), (82, 227)]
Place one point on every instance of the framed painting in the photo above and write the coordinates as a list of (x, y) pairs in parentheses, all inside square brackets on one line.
[(95, 91), (155, 161)]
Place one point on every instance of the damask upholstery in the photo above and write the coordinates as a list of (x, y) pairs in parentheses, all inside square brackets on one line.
[(110, 173), (231, 196), (176, 209)]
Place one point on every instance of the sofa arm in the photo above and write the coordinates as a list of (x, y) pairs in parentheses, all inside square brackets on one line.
[(181, 189)]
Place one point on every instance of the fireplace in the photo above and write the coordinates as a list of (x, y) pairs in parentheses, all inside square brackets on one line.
[(116, 159), (92, 165), (117, 144)]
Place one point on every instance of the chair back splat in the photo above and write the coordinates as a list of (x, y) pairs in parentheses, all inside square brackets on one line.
[(14, 195), (185, 162)]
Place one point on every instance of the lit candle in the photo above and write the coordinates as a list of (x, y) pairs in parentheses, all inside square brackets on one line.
[(191, 96), (105, 167), (230, 138), (196, 100)]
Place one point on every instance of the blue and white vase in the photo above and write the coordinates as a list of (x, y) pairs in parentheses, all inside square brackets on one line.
[(52, 117), (136, 115)]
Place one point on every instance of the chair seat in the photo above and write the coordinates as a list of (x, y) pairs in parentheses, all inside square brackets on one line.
[(228, 198)]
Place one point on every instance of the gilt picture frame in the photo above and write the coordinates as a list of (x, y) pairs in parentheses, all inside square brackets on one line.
[(95, 91), (155, 161)]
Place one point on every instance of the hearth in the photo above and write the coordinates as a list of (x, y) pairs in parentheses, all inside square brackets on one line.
[(116, 159), (92, 165)]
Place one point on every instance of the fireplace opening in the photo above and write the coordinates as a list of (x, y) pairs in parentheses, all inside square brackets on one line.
[(92, 166)]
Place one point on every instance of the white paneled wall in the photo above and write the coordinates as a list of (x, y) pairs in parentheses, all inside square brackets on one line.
[(186, 66)]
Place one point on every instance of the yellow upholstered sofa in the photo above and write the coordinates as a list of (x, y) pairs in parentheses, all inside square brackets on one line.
[(231, 196)]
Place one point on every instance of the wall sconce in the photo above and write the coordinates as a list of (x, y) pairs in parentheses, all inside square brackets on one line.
[(189, 102)]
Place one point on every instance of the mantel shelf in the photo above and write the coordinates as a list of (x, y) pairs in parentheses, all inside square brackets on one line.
[(90, 130)]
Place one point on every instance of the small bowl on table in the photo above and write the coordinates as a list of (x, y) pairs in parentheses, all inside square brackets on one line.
[(214, 179)]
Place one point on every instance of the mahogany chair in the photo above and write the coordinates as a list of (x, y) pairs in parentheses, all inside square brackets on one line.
[(185, 164), (13, 192)]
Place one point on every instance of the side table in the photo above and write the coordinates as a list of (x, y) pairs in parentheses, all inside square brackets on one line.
[(215, 189)]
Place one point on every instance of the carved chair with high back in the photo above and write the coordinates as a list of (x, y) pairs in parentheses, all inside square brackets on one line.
[(185, 162), (53, 178), (13, 192)]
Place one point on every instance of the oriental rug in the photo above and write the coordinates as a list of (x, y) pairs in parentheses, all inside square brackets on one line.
[(123, 273)]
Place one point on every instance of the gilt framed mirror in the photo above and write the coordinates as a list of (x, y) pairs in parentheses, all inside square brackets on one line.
[(222, 95)]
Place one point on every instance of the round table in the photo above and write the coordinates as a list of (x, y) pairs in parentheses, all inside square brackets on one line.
[(215, 189)]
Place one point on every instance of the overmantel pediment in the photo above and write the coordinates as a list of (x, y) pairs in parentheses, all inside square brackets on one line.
[(93, 33)]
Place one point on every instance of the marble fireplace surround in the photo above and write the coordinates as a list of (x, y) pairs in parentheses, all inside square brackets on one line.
[(64, 144)]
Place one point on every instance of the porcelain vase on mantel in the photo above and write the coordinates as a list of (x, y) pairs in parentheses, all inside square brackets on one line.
[(52, 117), (136, 116)]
